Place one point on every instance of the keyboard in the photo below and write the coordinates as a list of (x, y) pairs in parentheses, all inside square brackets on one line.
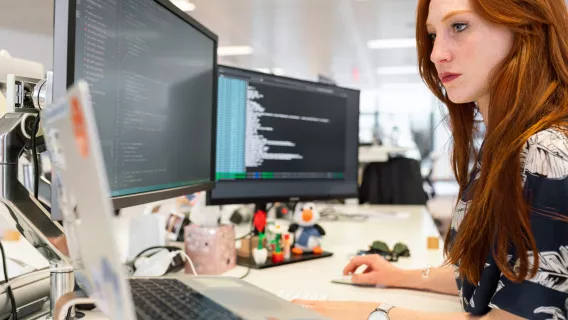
[(292, 295), (170, 299)]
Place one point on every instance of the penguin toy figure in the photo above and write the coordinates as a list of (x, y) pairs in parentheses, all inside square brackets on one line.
[(307, 232)]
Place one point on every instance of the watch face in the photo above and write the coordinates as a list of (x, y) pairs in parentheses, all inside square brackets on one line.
[(378, 315)]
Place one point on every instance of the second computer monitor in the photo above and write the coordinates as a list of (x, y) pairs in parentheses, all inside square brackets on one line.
[(281, 139)]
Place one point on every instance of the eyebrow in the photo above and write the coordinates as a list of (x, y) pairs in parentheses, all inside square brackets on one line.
[(449, 15)]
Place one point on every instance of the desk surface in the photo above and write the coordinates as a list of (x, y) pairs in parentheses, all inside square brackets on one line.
[(408, 224)]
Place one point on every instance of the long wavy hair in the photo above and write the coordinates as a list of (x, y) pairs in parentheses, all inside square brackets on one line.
[(528, 93)]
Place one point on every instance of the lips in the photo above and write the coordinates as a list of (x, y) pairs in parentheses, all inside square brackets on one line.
[(448, 77)]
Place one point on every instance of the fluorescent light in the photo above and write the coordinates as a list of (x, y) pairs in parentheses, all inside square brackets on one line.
[(397, 70), (274, 71), (234, 51), (184, 5), (392, 43)]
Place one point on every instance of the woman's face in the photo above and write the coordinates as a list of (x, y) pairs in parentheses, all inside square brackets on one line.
[(466, 49)]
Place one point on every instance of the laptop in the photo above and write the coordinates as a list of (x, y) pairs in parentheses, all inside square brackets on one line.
[(73, 143)]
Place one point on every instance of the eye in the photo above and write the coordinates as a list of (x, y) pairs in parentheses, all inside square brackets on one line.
[(432, 36), (459, 27)]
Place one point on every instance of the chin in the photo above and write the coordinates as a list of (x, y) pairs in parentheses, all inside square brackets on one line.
[(458, 97)]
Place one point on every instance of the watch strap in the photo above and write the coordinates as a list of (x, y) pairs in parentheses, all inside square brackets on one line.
[(385, 308)]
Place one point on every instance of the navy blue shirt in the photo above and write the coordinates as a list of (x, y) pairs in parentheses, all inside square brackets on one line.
[(544, 163)]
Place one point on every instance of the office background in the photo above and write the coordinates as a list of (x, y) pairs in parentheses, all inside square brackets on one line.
[(336, 39)]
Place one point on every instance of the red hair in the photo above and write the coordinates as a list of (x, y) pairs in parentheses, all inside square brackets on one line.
[(528, 93)]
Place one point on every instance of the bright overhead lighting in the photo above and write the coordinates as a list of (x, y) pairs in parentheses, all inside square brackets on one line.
[(278, 71), (263, 70), (184, 5), (397, 70), (234, 51), (274, 71), (392, 43)]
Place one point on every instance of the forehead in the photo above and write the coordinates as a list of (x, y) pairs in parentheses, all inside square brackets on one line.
[(438, 9)]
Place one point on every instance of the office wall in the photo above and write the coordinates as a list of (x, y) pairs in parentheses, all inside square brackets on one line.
[(26, 45), (26, 29)]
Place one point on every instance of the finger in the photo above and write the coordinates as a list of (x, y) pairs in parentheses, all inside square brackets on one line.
[(368, 269), (364, 278), (304, 302), (357, 262)]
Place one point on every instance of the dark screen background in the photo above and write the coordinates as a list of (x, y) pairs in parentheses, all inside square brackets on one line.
[(343, 151), (152, 80)]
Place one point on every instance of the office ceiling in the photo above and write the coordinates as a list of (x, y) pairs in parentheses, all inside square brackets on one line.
[(301, 38), (304, 38)]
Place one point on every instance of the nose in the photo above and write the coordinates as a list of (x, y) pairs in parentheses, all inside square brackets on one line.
[(307, 215), (441, 51)]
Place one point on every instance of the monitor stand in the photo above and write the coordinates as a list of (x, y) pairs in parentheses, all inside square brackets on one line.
[(259, 222)]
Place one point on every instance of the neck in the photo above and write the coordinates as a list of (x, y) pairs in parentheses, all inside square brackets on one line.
[(483, 105)]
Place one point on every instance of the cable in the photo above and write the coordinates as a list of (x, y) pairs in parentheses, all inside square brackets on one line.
[(34, 155), (22, 150), (170, 248), (246, 235), (190, 262), (9, 288), (330, 214)]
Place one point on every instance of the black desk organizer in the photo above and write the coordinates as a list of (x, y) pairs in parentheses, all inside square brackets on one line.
[(249, 262)]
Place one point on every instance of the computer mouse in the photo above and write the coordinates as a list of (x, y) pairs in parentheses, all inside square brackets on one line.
[(346, 279)]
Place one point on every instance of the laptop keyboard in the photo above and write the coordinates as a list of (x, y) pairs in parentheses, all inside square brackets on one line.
[(170, 299)]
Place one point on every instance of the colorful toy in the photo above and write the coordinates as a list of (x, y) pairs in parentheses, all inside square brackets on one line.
[(277, 252), (259, 222), (287, 246), (260, 253), (307, 232)]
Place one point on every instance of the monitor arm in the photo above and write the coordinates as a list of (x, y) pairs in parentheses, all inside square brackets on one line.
[(32, 220)]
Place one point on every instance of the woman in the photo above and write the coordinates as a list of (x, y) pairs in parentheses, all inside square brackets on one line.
[(506, 59)]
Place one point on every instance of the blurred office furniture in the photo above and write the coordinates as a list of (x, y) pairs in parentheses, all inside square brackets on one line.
[(396, 181)]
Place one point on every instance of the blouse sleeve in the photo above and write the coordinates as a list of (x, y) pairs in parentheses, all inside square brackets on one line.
[(545, 178)]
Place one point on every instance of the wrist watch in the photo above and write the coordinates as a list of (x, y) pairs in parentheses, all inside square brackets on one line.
[(381, 313)]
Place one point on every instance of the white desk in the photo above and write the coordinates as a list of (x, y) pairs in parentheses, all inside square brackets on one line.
[(412, 225), (344, 238)]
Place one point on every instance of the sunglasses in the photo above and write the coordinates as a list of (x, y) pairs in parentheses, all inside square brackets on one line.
[(381, 248)]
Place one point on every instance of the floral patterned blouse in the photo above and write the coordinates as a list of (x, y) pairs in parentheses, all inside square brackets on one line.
[(544, 163)]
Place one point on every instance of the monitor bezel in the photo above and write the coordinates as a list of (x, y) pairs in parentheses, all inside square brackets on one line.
[(64, 61), (292, 198)]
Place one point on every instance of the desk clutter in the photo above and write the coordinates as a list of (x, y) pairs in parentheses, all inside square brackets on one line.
[(272, 244), (211, 248), (381, 248)]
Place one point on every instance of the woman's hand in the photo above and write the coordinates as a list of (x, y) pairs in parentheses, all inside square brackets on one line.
[(340, 310), (378, 271)]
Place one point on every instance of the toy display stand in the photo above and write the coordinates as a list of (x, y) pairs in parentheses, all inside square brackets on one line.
[(247, 262), (259, 221)]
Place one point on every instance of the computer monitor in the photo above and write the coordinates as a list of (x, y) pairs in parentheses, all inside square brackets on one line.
[(152, 73), (283, 139)]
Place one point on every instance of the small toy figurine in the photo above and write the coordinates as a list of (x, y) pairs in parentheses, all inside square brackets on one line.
[(277, 254), (259, 222), (260, 253), (277, 231), (287, 246), (306, 230)]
